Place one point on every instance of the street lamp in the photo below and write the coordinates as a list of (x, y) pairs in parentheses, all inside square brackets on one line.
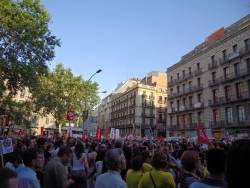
[(85, 113), (98, 71)]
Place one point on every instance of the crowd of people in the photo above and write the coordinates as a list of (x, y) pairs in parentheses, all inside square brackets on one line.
[(42, 162)]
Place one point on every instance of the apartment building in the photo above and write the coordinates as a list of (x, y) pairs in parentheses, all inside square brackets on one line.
[(140, 105), (210, 86), (104, 113)]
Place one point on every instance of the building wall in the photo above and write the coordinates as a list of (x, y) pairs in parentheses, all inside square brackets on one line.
[(140, 107), (234, 35)]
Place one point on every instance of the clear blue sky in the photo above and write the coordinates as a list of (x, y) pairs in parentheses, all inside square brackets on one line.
[(129, 38)]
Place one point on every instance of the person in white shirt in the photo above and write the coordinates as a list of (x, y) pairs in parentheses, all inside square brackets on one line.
[(115, 161)]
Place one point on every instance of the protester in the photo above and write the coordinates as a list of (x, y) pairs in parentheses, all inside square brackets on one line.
[(115, 161), (158, 177), (8, 178), (216, 165), (238, 164), (79, 170), (189, 161), (55, 171), (135, 174), (27, 177)]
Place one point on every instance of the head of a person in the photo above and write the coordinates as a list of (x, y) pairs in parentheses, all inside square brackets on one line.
[(42, 143), (119, 143), (79, 149), (146, 156), (216, 161), (115, 160), (29, 158), (238, 164), (190, 160), (8, 178), (159, 161), (137, 162), (40, 158), (65, 154)]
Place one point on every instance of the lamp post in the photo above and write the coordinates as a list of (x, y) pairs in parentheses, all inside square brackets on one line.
[(85, 113)]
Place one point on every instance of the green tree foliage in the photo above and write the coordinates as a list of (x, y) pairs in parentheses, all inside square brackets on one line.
[(60, 91), (26, 44)]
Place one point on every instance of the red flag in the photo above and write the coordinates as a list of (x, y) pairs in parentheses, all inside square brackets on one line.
[(42, 131), (84, 136), (202, 137), (98, 134)]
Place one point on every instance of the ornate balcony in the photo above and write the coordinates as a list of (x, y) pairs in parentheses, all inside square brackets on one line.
[(213, 65), (186, 91)]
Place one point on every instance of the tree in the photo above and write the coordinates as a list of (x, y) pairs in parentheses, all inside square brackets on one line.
[(26, 44), (60, 91)]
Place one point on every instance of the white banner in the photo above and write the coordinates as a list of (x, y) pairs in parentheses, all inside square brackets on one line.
[(117, 133), (6, 146), (112, 133)]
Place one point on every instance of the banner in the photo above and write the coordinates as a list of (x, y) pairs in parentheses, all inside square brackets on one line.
[(112, 133), (84, 136), (42, 131), (117, 133), (201, 136), (6, 146), (98, 134), (148, 134)]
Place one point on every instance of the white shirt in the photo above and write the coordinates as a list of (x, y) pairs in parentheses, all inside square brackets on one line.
[(110, 179)]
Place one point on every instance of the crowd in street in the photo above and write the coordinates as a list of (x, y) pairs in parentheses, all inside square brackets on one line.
[(42, 162)]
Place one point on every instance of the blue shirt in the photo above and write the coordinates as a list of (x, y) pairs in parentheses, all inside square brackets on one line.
[(27, 178), (110, 179)]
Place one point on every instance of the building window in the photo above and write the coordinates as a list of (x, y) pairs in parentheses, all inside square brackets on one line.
[(235, 48), (200, 117), (184, 120), (178, 76), (190, 101), (226, 72), (178, 89), (239, 89), (184, 101), (199, 82), (228, 93), (178, 105), (178, 121), (241, 113), (198, 66), (213, 76), (190, 118), (160, 100), (224, 54), (171, 104), (199, 95), (47, 121), (171, 91), (212, 59), (190, 71), (216, 115), (171, 120), (183, 88), (229, 115), (247, 43), (171, 78), (190, 85), (160, 117), (248, 64), (215, 95), (236, 69), (183, 73)]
